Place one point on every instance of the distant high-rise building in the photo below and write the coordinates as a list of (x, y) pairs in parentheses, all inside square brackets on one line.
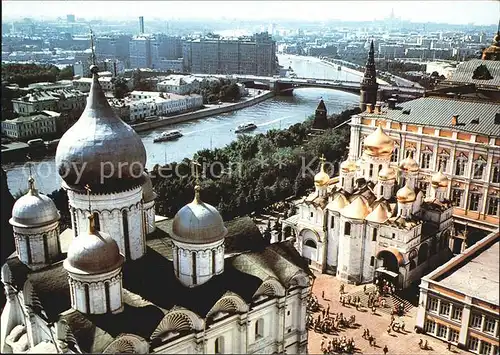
[(70, 18), (113, 47), (140, 52), (141, 25), (255, 55)]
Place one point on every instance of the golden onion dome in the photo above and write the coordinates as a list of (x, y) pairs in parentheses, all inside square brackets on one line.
[(406, 194), (409, 164), (378, 144), (321, 178), (348, 166), (379, 215), (357, 209), (439, 179), (387, 173)]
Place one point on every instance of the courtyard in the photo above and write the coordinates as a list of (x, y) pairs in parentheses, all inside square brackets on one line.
[(400, 342)]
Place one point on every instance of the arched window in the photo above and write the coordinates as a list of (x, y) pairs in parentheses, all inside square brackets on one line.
[(219, 345), (97, 222), (395, 154), (474, 201), (259, 328), (443, 161), (493, 202), (108, 299), (425, 162), (374, 234), (370, 173), (379, 168), (125, 234), (478, 170), (311, 243), (347, 228), (412, 264), (87, 298), (193, 261)]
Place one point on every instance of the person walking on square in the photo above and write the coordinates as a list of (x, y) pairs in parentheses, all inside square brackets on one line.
[(323, 294), (385, 350)]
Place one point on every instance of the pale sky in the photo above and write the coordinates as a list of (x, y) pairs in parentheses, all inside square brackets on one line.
[(479, 12)]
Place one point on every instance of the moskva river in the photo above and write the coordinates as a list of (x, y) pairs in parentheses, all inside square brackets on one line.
[(218, 131)]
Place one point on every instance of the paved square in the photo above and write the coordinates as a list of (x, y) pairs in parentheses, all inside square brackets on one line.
[(396, 342)]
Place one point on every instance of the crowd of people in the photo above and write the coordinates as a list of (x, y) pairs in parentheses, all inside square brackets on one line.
[(338, 345)]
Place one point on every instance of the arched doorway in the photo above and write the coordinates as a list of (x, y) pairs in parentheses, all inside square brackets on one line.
[(309, 245), (389, 261)]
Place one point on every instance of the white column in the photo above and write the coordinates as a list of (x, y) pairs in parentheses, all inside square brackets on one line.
[(462, 337)]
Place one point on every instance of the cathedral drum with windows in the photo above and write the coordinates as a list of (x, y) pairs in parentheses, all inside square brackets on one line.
[(373, 220)]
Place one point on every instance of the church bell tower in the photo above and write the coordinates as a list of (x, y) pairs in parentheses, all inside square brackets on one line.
[(369, 86)]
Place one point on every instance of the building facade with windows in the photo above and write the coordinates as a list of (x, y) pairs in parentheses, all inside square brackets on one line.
[(255, 55), (51, 100), (120, 281), (459, 301), (34, 126), (461, 136)]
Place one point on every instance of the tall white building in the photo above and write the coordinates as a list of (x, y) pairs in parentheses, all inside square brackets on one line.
[(122, 280), (373, 220)]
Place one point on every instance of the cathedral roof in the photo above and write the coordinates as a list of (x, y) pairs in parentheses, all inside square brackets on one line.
[(34, 209), (145, 298), (148, 193), (198, 223), (439, 179), (378, 143), (100, 149), (339, 202), (379, 215), (357, 209)]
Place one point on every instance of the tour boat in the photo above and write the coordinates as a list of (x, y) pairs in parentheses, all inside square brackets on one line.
[(167, 136), (245, 127)]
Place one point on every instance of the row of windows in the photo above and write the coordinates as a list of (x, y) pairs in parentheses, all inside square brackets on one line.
[(478, 346), (475, 201)]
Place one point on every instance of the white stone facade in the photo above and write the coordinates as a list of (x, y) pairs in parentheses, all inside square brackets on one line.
[(118, 214), (37, 247), (96, 294), (354, 240), (195, 264)]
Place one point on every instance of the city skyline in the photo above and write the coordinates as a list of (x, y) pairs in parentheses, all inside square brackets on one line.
[(462, 12)]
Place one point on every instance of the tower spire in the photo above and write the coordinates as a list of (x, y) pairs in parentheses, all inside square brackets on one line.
[(92, 47), (31, 180), (369, 84)]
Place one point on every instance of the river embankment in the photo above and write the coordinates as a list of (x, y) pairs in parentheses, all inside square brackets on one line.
[(210, 110)]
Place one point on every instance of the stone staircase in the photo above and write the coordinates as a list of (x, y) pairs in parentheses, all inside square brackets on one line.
[(390, 300)]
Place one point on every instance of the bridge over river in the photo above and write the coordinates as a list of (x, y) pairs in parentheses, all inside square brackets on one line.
[(285, 86)]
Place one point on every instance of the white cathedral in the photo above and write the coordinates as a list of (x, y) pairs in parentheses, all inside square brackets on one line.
[(372, 220), (123, 280)]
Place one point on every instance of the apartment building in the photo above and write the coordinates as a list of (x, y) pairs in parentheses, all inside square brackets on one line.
[(107, 83), (179, 84), (113, 47), (141, 104), (52, 100), (459, 301), (460, 136), (32, 126), (255, 55), (140, 51)]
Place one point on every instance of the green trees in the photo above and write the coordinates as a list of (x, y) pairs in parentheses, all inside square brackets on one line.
[(220, 89), (254, 172), (120, 88), (25, 74)]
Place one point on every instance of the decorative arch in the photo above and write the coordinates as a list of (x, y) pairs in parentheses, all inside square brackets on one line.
[(229, 303), (423, 253), (6, 274), (178, 320), (307, 233), (31, 299), (392, 259), (300, 279), (128, 344), (270, 287)]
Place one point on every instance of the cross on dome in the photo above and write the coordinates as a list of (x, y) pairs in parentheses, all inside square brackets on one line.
[(91, 216), (197, 187)]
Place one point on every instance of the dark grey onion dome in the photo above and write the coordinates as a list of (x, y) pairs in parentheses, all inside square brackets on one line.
[(148, 194), (100, 140), (93, 252), (34, 209), (198, 223)]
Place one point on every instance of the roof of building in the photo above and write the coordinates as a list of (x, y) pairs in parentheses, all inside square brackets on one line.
[(465, 71), (41, 116), (438, 112), (249, 264), (475, 271)]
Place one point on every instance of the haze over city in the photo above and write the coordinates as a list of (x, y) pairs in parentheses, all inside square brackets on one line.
[(453, 12)]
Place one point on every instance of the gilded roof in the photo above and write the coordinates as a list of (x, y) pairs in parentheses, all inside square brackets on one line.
[(379, 215), (338, 203), (378, 143), (357, 209)]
